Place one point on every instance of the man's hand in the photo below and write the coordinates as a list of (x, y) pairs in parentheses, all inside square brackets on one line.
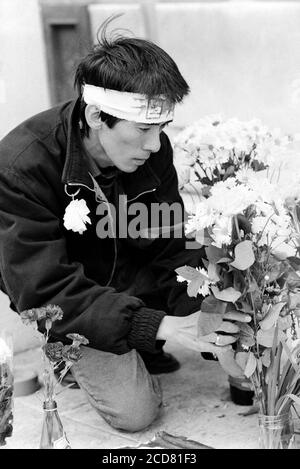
[(184, 331)]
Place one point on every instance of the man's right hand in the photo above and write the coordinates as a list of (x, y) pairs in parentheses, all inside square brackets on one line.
[(184, 331)]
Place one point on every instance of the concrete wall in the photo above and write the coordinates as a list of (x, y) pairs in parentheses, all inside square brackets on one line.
[(241, 58), (23, 77)]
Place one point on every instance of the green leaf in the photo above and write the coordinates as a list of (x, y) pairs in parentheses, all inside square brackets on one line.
[(228, 294), (294, 398), (229, 364), (246, 336), (294, 300), (271, 317), (294, 262), (251, 365), (213, 272), (211, 317), (193, 287), (275, 269), (253, 287), (241, 358), (202, 237), (196, 279), (265, 338), (284, 323), (288, 352), (224, 260), (189, 273), (266, 358), (208, 322), (211, 305), (214, 254), (244, 256), (244, 306)]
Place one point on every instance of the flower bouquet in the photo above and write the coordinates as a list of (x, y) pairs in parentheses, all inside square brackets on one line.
[(215, 148), (6, 388), (57, 359), (252, 266)]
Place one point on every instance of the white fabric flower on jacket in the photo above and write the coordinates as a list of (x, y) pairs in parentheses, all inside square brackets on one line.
[(75, 217), (5, 351)]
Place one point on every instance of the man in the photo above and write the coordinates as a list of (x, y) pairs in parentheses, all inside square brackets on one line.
[(62, 172)]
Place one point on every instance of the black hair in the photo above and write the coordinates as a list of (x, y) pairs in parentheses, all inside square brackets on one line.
[(128, 64)]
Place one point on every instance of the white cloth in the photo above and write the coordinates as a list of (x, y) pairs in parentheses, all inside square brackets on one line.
[(129, 106)]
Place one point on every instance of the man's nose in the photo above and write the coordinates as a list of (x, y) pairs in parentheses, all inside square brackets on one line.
[(152, 142)]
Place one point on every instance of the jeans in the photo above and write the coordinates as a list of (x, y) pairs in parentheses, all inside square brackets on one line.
[(119, 388)]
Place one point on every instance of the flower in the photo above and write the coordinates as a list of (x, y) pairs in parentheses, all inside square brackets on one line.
[(51, 312), (221, 231), (252, 246), (200, 283), (5, 351), (71, 353), (77, 339), (217, 148), (57, 357), (75, 217), (32, 315), (54, 351), (6, 388)]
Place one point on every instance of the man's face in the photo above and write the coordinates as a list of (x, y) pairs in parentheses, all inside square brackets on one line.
[(129, 144)]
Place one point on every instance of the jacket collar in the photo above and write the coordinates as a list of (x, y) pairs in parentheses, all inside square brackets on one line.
[(76, 168)]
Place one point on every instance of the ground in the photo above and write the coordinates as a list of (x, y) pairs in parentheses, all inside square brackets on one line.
[(196, 405)]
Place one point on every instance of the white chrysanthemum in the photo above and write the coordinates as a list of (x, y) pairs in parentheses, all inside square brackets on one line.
[(289, 188), (221, 232), (270, 228), (203, 217), (75, 217), (231, 200), (246, 175)]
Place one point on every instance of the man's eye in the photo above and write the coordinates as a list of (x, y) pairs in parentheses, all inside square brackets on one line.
[(144, 129)]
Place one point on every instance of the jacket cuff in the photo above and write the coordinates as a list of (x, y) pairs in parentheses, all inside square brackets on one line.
[(144, 327)]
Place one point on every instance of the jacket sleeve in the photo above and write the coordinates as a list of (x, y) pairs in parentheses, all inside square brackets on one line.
[(167, 254), (35, 271)]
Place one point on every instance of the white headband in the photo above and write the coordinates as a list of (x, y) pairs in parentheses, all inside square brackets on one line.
[(129, 106)]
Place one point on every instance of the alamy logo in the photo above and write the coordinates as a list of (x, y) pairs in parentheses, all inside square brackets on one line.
[(139, 220)]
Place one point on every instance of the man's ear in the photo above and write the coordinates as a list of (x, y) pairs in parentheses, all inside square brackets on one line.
[(92, 118)]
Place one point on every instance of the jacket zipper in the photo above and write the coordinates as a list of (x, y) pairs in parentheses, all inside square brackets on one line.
[(79, 184), (112, 228), (142, 193), (93, 190)]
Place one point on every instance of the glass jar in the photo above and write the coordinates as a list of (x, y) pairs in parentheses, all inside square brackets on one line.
[(53, 434), (6, 387), (276, 431)]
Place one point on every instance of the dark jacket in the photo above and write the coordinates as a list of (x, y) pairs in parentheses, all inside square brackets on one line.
[(41, 262)]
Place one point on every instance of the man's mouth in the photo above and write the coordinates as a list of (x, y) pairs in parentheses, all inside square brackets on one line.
[(140, 160)]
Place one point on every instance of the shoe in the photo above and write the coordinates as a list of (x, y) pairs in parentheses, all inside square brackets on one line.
[(240, 391), (241, 397), (161, 362)]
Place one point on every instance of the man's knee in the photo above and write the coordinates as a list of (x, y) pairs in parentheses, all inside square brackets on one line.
[(135, 413)]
